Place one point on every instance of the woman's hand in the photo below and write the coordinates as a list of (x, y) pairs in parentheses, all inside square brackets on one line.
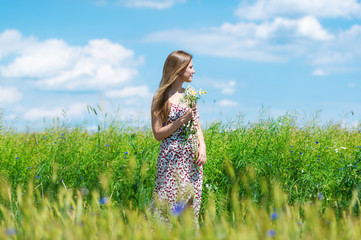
[(202, 156), (189, 115)]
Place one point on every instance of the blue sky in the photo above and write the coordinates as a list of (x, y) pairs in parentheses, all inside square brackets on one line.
[(299, 57)]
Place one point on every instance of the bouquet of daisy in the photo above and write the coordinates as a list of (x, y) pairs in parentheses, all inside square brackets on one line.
[(191, 97)]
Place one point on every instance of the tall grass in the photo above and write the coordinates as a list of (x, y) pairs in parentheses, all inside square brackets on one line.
[(262, 179)]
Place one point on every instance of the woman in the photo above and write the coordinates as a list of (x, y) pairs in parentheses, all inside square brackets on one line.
[(180, 161)]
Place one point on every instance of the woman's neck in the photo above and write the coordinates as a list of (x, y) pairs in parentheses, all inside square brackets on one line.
[(177, 86)]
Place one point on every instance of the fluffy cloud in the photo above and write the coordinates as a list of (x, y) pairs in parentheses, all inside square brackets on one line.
[(276, 40), (53, 64), (319, 72), (74, 110), (135, 91), (227, 103), (9, 95), (226, 87), (11, 41), (267, 9), (306, 27), (343, 49)]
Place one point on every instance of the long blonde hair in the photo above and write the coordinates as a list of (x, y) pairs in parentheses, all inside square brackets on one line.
[(174, 65)]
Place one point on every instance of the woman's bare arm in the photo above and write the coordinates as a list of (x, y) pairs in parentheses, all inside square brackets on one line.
[(160, 132), (202, 155)]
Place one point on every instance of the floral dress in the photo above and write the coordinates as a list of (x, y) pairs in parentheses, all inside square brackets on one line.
[(179, 180)]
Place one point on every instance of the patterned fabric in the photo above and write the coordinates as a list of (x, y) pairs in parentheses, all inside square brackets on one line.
[(179, 180)]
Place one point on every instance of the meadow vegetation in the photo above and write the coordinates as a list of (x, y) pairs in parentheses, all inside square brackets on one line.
[(268, 179)]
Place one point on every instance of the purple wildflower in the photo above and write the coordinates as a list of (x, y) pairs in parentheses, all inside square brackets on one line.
[(104, 200), (11, 231), (320, 196), (271, 233), (274, 216), (179, 208)]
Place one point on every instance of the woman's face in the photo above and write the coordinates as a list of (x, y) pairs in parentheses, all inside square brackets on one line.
[(188, 73)]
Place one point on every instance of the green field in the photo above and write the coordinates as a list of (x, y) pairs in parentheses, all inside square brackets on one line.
[(268, 179)]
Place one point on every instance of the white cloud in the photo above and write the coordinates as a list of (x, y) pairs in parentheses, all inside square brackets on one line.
[(307, 27), (53, 64), (135, 91), (227, 103), (278, 40), (74, 110), (9, 95), (268, 9), (11, 41), (343, 49), (40, 113), (310, 27), (226, 87), (319, 72)]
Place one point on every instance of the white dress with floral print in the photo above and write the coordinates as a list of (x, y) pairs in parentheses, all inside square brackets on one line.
[(179, 180)]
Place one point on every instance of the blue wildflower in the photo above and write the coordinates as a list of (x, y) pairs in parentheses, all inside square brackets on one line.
[(271, 233), (37, 177), (44, 137), (274, 216), (11, 231), (291, 146), (179, 208), (340, 169), (320, 196), (316, 142), (104, 200), (107, 145), (309, 166), (300, 153), (126, 153), (17, 157), (29, 167)]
